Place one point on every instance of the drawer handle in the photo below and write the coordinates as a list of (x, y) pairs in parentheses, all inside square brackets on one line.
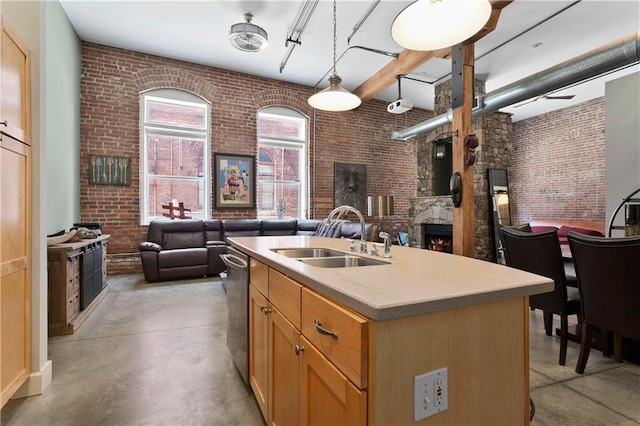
[(323, 330), (5, 123), (299, 349)]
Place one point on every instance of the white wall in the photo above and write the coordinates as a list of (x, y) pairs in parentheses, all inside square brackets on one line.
[(62, 93), (622, 134)]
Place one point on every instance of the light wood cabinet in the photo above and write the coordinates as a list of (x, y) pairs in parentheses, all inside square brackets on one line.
[(328, 397), (77, 282), (15, 215), (259, 348), (292, 381), (14, 86)]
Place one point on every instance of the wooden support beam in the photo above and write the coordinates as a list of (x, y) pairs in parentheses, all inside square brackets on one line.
[(409, 60), (464, 216)]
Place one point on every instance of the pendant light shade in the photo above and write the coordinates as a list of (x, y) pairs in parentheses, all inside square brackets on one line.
[(334, 97), (436, 24)]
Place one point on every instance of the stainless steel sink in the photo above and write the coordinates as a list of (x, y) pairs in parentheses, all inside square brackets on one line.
[(341, 262), (308, 252)]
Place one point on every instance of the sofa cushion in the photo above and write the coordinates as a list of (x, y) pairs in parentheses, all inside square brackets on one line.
[(332, 229), (307, 226), (562, 232), (182, 257), (213, 230), (182, 240), (158, 228), (241, 228), (274, 227), (542, 228)]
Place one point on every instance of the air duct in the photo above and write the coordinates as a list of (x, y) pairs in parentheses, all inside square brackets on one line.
[(617, 54)]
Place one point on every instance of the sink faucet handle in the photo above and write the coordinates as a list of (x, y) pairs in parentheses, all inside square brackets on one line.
[(352, 244), (387, 246)]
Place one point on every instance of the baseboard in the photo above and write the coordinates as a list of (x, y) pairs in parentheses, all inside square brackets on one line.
[(36, 383)]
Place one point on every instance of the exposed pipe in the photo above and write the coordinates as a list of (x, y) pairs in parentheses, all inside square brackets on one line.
[(301, 23), (363, 19), (617, 54)]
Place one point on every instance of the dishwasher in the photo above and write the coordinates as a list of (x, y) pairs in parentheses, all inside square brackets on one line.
[(237, 286)]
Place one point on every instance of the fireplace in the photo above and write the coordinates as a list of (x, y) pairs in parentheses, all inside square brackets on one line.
[(438, 237)]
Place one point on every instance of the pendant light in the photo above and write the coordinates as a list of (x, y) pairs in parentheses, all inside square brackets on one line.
[(436, 24), (334, 97)]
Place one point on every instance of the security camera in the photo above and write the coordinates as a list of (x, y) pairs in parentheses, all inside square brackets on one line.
[(399, 106)]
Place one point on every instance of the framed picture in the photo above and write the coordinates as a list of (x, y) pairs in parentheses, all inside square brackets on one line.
[(234, 181), (350, 185), (109, 170)]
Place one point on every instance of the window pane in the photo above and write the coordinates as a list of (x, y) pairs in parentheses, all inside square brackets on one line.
[(175, 114), (280, 127), (273, 197), (174, 156), (163, 191)]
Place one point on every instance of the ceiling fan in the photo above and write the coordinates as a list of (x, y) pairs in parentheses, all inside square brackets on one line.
[(542, 97)]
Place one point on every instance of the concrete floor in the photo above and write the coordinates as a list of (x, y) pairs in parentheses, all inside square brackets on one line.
[(155, 354)]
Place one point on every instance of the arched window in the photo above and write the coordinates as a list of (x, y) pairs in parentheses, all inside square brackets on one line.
[(174, 154), (282, 163)]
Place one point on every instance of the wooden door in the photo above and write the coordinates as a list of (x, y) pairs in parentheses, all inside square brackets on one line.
[(284, 373), (15, 265), (259, 348), (327, 397), (14, 87)]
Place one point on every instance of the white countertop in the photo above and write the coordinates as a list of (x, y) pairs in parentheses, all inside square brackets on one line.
[(415, 281)]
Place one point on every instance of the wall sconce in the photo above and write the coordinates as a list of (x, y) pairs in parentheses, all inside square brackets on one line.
[(440, 151), (380, 206)]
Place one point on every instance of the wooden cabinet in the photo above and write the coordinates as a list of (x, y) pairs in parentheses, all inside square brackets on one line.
[(293, 381), (15, 215), (77, 282), (14, 77)]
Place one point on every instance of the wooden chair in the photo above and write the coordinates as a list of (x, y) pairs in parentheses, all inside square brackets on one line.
[(539, 253), (608, 272)]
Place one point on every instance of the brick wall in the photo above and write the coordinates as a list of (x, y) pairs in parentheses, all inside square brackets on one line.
[(112, 80), (558, 165)]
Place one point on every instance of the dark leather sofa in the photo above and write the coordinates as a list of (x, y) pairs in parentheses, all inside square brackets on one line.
[(179, 249)]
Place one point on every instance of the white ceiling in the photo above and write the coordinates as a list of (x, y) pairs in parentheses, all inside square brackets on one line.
[(197, 31)]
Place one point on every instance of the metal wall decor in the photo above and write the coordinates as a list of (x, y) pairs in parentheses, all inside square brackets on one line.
[(350, 185), (109, 170)]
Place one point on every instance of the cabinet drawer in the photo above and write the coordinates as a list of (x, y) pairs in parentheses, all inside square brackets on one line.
[(347, 346), (284, 294), (73, 306), (259, 276)]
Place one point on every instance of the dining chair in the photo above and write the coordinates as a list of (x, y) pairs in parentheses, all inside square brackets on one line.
[(608, 272), (539, 253)]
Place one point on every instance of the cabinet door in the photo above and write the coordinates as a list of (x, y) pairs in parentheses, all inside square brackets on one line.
[(259, 348), (284, 373), (14, 86), (327, 397), (15, 265)]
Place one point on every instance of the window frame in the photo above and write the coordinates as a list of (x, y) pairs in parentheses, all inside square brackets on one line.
[(300, 142), (182, 98)]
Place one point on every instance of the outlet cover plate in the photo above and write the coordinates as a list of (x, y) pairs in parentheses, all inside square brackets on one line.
[(424, 394)]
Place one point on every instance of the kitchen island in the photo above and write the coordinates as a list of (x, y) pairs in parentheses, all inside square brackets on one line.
[(343, 345)]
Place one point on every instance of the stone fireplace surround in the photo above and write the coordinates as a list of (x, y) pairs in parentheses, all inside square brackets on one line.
[(494, 152)]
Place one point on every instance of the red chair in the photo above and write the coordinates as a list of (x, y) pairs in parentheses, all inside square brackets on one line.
[(608, 272)]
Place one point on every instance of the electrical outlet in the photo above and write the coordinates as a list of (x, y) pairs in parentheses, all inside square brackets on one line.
[(429, 394)]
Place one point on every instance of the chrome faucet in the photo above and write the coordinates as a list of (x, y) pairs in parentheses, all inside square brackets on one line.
[(363, 242), (387, 245)]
